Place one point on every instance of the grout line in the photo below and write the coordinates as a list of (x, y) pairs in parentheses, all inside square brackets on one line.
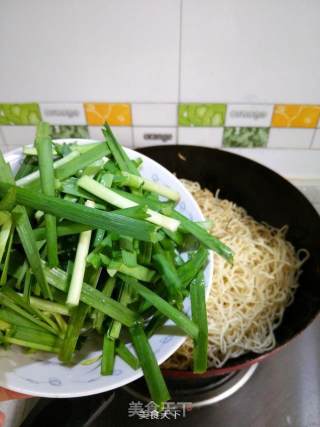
[(132, 137), (312, 138), (255, 103)]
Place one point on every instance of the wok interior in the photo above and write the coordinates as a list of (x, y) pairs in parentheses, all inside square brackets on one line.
[(267, 197)]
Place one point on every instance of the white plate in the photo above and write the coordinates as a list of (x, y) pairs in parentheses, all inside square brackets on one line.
[(41, 374)]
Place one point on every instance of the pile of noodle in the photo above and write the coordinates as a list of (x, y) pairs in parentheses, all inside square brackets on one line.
[(247, 299)]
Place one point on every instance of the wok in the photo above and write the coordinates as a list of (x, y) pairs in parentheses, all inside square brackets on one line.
[(267, 197)]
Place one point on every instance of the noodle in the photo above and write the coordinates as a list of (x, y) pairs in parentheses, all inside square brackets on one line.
[(247, 299)]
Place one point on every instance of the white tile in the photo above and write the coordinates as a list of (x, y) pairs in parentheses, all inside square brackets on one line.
[(242, 115), (122, 133), (154, 114), (316, 140), (97, 50), (293, 164), (148, 136), (290, 138), (3, 145), (16, 136), (206, 137), (63, 114), (250, 51)]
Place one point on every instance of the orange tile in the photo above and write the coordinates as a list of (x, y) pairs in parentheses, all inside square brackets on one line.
[(296, 116), (115, 114)]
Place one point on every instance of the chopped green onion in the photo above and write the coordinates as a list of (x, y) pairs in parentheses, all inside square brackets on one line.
[(44, 149), (120, 156), (108, 353), (115, 199), (76, 321), (201, 234), (34, 177), (199, 316), (93, 298), (179, 318), (138, 182), (126, 355), (152, 373), (74, 292), (29, 244), (138, 272)]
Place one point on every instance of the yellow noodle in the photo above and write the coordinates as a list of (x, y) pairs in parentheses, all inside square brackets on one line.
[(247, 299)]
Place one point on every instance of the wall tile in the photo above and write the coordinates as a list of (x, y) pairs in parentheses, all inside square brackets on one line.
[(123, 134), (245, 51), (148, 136), (19, 114), (246, 115), (115, 50), (245, 137), (115, 114), (316, 140), (201, 115), (3, 145), (69, 131), (205, 137), (63, 114), (154, 114), (16, 136), (296, 116), (290, 138)]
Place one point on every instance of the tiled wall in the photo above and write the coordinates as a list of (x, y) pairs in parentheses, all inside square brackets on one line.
[(138, 125), (240, 75)]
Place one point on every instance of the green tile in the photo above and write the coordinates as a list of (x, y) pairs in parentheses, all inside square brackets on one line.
[(245, 137), (69, 131), (19, 114), (208, 115)]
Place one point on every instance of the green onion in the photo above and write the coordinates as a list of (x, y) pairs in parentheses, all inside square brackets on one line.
[(106, 291), (6, 175), (138, 182), (120, 156), (4, 236), (9, 200), (93, 298), (49, 306), (115, 199), (66, 228), (191, 268), (179, 318), (4, 274), (152, 373), (73, 297), (44, 149), (169, 274), (199, 316), (83, 160), (108, 353), (126, 355), (201, 234), (156, 205), (34, 177), (111, 221), (76, 320), (9, 303), (29, 244), (138, 272)]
